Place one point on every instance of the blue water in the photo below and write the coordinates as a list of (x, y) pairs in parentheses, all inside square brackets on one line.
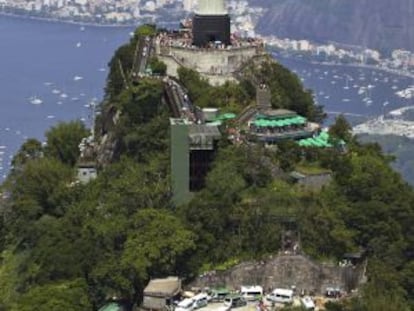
[(360, 93), (41, 59)]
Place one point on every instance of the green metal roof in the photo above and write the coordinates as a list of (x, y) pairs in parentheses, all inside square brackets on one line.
[(320, 141), (215, 123), (264, 122), (225, 116), (113, 306)]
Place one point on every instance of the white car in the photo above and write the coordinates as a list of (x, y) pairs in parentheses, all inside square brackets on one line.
[(281, 295), (307, 303), (185, 305)]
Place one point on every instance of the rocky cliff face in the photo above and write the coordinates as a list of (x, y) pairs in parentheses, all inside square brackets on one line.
[(285, 271), (379, 24)]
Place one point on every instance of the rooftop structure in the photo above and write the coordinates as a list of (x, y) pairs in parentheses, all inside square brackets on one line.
[(158, 293)]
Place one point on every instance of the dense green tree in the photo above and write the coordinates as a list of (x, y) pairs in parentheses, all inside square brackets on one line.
[(63, 296), (157, 66), (286, 89), (34, 192), (145, 30), (67, 246), (341, 130), (230, 96), (62, 141), (30, 150)]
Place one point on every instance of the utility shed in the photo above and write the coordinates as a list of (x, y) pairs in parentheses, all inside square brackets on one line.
[(159, 292), (203, 137)]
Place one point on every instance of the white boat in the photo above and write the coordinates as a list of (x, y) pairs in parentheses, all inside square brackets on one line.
[(36, 100), (78, 45), (361, 90), (55, 91), (64, 95), (346, 100), (50, 117), (77, 78), (82, 28), (347, 79)]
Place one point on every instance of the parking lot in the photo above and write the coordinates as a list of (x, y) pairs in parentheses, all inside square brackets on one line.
[(219, 306), (251, 306)]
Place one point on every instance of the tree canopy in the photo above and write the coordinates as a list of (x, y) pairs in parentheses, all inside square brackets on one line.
[(69, 246)]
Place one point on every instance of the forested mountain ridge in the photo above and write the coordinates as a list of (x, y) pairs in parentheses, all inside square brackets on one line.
[(377, 24), (68, 246)]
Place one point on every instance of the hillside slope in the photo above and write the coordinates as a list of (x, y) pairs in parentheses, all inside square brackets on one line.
[(379, 24)]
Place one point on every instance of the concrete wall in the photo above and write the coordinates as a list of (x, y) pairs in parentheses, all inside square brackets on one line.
[(217, 65), (285, 271), (218, 61)]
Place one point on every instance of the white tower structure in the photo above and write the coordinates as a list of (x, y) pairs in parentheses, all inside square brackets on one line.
[(211, 23), (211, 7), (188, 5)]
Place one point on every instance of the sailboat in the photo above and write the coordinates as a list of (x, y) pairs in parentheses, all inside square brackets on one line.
[(346, 87), (34, 100)]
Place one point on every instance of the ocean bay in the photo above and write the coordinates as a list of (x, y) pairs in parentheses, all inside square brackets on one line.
[(50, 72)]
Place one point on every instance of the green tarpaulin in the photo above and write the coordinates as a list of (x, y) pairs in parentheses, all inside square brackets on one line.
[(262, 122), (110, 307), (225, 116), (320, 141)]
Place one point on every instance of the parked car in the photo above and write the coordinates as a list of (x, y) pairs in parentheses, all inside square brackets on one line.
[(333, 292), (281, 295), (307, 303), (218, 295), (186, 305), (200, 300), (251, 293), (234, 301)]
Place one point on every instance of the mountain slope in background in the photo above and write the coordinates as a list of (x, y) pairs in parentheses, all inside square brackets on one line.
[(378, 24)]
